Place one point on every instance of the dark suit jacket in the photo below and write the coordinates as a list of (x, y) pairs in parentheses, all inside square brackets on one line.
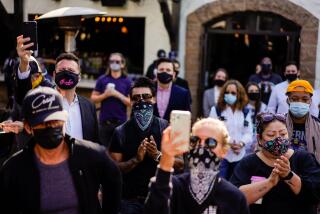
[(89, 120), (179, 100)]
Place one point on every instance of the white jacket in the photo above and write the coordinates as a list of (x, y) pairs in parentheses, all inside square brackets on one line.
[(238, 131)]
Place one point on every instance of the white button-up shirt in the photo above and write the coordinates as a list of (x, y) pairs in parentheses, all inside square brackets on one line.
[(238, 131), (74, 122), (278, 100)]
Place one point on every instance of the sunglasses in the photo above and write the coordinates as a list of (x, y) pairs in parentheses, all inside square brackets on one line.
[(211, 143), (268, 117), (138, 97), (114, 61)]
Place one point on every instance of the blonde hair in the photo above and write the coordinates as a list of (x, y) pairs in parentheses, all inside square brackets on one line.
[(217, 125)]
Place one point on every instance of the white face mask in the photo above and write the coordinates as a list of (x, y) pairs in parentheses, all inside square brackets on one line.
[(115, 67)]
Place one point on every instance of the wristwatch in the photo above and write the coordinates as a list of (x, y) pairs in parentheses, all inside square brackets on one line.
[(158, 157), (289, 176)]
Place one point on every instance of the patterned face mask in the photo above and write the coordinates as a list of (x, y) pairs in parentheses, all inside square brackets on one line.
[(203, 166), (277, 146), (143, 114)]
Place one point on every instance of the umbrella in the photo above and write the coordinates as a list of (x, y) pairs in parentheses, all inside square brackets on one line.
[(72, 11)]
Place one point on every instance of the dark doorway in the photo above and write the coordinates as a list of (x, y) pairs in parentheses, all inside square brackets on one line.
[(238, 41)]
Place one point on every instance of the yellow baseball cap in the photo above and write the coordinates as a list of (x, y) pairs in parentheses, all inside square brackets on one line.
[(300, 86)]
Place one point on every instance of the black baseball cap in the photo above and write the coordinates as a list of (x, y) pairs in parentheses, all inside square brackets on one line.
[(43, 104)]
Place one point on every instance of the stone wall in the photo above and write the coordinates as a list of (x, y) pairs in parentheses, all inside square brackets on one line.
[(194, 32)]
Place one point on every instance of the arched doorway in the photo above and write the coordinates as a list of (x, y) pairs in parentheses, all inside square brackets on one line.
[(239, 40), (196, 28)]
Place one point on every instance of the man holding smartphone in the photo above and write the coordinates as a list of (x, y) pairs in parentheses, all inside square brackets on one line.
[(82, 122), (135, 146)]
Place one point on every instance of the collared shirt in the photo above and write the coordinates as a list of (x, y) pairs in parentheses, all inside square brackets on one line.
[(163, 96), (239, 128), (278, 100), (74, 122), (24, 75)]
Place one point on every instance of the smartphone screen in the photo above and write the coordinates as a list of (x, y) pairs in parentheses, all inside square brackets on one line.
[(29, 29), (180, 122)]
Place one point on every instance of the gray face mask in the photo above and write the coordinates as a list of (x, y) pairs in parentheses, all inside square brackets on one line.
[(203, 166), (115, 67)]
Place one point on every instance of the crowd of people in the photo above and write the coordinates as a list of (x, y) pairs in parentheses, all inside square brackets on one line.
[(256, 149)]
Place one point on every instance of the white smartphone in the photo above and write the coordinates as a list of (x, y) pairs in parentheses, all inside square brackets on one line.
[(180, 122)]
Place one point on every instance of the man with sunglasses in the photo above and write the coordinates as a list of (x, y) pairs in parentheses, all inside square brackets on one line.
[(303, 127), (56, 173), (200, 189), (111, 91), (135, 146)]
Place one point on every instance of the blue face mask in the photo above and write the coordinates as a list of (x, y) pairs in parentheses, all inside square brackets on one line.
[(230, 99), (299, 109)]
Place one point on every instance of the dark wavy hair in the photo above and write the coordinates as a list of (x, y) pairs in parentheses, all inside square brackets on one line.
[(242, 98)]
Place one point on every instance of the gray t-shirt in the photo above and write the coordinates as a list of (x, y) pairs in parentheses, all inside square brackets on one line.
[(57, 190)]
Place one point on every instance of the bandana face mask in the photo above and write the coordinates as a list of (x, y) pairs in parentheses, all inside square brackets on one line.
[(278, 146), (143, 114), (203, 166)]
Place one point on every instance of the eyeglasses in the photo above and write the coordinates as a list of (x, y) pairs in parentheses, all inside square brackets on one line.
[(211, 143), (138, 97), (233, 93), (114, 61)]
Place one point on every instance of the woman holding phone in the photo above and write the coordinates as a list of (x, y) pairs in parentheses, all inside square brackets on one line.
[(200, 190), (231, 109), (277, 179)]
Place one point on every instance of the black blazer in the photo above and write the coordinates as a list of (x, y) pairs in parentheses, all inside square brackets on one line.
[(179, 100), (89, 120)]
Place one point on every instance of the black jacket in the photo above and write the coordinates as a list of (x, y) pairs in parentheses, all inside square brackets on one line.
[(87, 108), (179, 100), (89, 120), (170, 195), (90, 167)]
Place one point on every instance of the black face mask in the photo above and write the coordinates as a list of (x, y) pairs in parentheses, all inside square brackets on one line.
[(48, 138), (143, 114), (164, 77), (291, 77), (254, 96), (66, 79), (265, 68), (219, 83)]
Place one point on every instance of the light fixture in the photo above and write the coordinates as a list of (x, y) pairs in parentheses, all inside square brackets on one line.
[(124, 30), (97, 19), (120, 20)]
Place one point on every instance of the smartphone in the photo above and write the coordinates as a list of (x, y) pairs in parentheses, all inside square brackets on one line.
[(29, 29), (180, 122)]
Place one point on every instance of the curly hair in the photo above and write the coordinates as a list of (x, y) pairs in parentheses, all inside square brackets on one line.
[(242, 98), (216, 125)]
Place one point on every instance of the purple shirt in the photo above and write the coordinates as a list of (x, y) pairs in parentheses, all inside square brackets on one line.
[(163, 96), (112, 108)]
